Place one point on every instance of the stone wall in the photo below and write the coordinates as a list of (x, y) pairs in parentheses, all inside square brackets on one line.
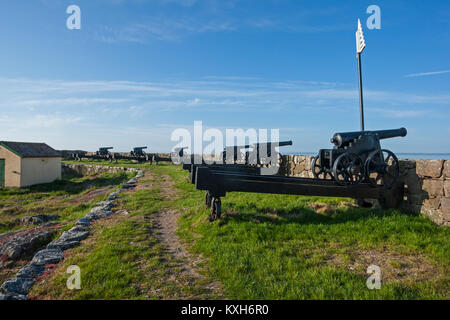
[(90, 169), (426, 184)]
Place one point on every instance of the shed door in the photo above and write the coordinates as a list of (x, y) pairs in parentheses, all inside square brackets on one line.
[(2, 173)]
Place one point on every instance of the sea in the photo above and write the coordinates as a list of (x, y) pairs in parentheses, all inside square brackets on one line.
[(438, 156)]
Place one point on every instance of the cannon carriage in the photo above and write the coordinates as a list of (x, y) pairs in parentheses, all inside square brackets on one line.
[(358, 157)]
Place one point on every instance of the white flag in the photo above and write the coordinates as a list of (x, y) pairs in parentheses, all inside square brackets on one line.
[(360, 42)]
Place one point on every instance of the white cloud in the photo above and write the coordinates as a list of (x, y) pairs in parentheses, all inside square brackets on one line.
[(426, 73)]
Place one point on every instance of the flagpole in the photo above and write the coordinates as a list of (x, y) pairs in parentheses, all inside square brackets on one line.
[(360, 45), (361, 104)]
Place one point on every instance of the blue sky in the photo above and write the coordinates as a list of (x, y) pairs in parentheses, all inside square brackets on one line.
[(138, 69)]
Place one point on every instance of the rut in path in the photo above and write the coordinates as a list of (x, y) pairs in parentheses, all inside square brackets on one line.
[(165, 222)]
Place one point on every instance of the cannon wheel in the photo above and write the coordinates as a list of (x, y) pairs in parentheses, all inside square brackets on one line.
[(348, 169), (208, 199), (216, 209), (382, 168), (318, 171)]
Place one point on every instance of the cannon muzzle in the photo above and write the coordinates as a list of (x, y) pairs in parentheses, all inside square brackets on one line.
[(386, 134), (344, 138)]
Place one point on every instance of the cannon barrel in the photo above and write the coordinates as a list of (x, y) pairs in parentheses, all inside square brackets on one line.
[(344, 138), (278, 144), (257, 145), (105, 148)]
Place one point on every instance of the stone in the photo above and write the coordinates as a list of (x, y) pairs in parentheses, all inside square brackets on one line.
[(128, 186), (97, 213), (413, 183), (320, 207), (31, 270), (406, 165), (433, 214), (447, 188), (113, 196), (62, 244), (12, 296), (432, 203), (84, 222), (433, 187), (429, 168), (446, 171), (48, 256), (299, 168), (445, 206), (25, 242), (18, 286), (37, 219), (415, 199), (74, 236), (132, 181), (106, 205), (78, 228)]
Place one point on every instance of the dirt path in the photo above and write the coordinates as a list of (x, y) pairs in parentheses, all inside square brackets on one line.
[(185, 264)]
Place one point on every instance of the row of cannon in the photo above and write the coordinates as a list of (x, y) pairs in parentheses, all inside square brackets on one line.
[(103, 153)]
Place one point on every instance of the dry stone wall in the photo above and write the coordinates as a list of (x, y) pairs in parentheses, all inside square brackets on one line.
[(426, 183), (90, 169)]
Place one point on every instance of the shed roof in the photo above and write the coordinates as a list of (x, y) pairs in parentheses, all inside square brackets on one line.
[(30, 149)]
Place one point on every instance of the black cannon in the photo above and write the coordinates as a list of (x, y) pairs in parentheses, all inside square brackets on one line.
[(103, 151), (262, 153), (357, 156), (138, 151)]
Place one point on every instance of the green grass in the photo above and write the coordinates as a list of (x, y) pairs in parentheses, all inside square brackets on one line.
[(285, 255), (63, 197), (265, 247), (122, 260)]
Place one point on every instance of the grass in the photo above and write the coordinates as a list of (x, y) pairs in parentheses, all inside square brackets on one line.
[(277, 247), (122, 260), (70, 198), (265, 247)]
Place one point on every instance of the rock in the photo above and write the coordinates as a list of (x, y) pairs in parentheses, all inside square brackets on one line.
[(431, 203), (113, 196), (31, 270), (12, 296), (62, 244), (445, 205), (447, 188), (106, 205), (97, 213), (78, 228), (348, 204), (446, 171), (132, 181), (48, 256), (125, 212), (37, 219), (74, 236), (25, 242), (83, 222), (128, 186), (413, 183), (433, 187), (429, 168), (17, 286), (320, 207)]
